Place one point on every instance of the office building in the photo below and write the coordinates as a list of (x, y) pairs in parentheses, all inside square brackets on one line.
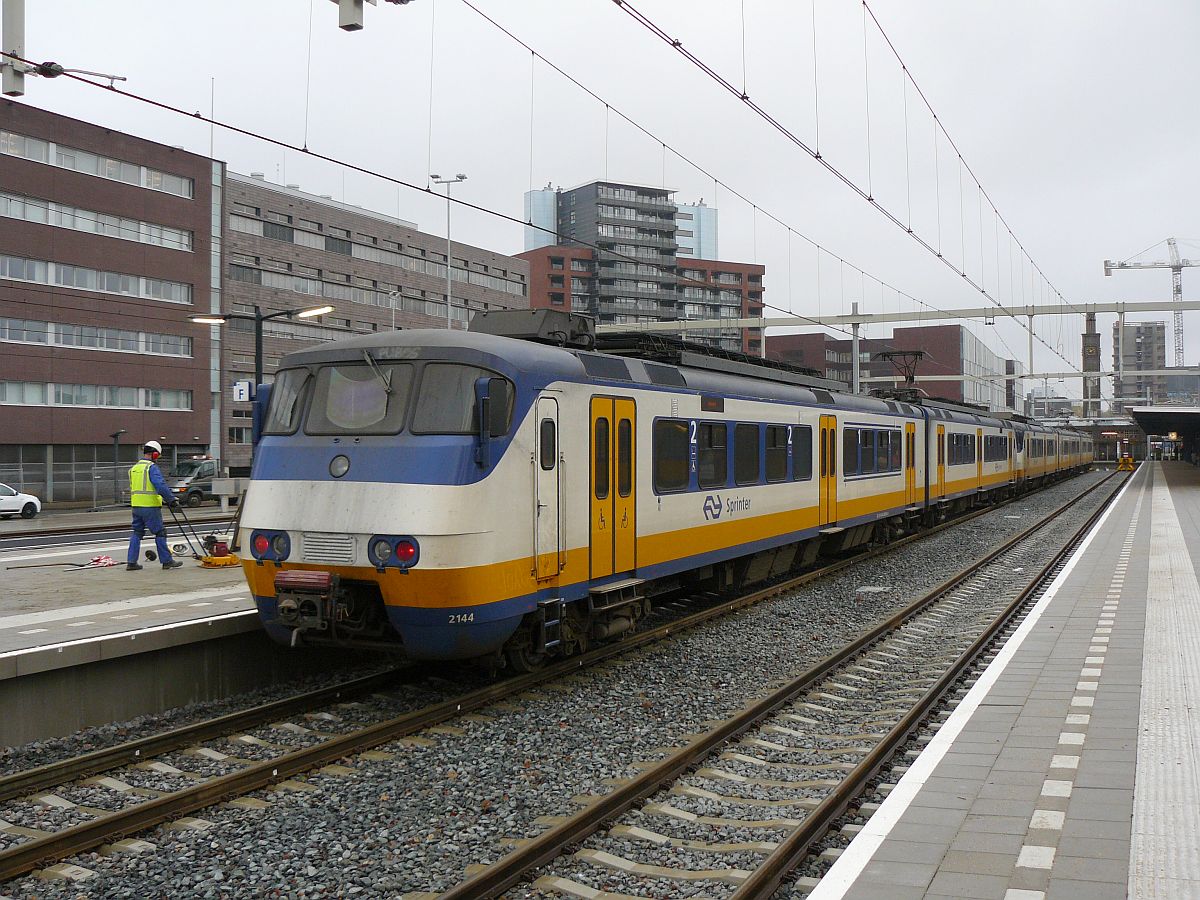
[(1142, 346), (289, 249), (108, 243)]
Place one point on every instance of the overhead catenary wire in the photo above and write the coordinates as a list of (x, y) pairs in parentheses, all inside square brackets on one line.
[(717, 183), (677, 45), (399, 182)]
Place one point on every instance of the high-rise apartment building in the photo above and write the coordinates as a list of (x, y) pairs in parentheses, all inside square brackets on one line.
[(1142, 346), (617, 258), (108, 243)]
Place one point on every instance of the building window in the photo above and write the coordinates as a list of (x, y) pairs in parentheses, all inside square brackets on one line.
[(39, 271), (239, 435), (338, 232), (59, 215), (48, 153), (244, 208), (277, 232), (556, 299), (338, 245)]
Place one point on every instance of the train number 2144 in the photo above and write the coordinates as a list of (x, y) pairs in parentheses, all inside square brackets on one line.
[(461, 618)]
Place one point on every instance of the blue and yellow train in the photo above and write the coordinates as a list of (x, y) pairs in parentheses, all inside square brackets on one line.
[(461, 495)]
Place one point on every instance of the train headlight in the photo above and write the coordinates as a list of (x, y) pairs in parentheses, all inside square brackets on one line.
[(339, 466), (381, 551), (281, 546)]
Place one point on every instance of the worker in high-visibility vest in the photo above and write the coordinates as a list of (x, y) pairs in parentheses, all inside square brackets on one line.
[(147, 491)]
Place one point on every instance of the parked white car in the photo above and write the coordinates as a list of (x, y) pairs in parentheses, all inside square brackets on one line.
[(13, 503)]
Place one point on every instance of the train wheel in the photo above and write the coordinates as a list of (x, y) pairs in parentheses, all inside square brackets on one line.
[(520, 653)]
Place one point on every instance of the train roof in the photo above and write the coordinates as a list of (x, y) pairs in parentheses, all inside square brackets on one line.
[(683, 367)]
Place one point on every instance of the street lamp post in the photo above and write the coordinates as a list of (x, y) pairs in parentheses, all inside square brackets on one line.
[(258, 318), (438, 179), (116, 438)]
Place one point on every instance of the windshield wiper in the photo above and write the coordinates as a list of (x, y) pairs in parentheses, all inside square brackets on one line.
[(385, 380)]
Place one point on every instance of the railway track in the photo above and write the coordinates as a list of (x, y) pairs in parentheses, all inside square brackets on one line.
[(787, 767), (278, 761)]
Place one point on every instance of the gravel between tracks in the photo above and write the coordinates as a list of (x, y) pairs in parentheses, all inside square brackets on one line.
[(414, 821)]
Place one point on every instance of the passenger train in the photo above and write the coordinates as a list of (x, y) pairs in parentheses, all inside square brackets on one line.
[(459, 495)]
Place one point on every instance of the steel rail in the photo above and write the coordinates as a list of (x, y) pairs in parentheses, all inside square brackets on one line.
[(511, 868), (21, 784), (25, 857)]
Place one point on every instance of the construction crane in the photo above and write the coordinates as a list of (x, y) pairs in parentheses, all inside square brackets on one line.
[(1176, 265)]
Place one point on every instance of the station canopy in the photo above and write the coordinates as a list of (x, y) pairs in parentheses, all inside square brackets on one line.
[(1163, 420)]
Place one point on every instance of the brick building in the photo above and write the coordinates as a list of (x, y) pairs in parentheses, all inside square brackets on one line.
[(287, 249), (107, 245)]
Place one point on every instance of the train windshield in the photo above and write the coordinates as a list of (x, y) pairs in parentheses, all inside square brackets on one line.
[(360, 399), (283, 416)]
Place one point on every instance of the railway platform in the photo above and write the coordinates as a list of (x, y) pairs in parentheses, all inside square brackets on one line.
[(90, 646), (1071, 769)]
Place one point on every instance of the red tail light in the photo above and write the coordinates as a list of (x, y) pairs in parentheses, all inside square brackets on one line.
[(261, 545), (406, 551)]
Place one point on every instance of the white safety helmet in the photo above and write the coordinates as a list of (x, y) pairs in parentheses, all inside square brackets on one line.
[(155, 446)]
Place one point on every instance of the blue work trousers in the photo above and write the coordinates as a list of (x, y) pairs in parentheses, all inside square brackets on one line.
[(148, 518)]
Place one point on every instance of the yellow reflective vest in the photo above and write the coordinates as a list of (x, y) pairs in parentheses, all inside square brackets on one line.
[(142, 491)]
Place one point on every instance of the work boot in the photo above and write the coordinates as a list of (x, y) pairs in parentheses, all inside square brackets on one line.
[(173, 564), (132, 567)]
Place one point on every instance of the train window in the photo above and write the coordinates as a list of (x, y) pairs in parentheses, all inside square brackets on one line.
[(883, 451), (895, 458), (361, 399), (849, 452), (446, 402), (866, 455), (603, 466), (670, 455), (712, 454), (776, 452), (611, 367), (624, 457), (1020, 441), (941, 449), (824, 452), (801, 452), (284, 414), (660, 374), (547, 452), (832, 452), (746, 465)]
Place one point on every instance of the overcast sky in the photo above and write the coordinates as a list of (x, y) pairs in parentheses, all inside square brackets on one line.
[(1076, 116)]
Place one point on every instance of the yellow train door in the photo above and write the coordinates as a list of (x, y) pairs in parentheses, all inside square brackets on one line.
[(613, 540), (940, 490), (910, 463), (828, 487), (978, 457), (624, 497)]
